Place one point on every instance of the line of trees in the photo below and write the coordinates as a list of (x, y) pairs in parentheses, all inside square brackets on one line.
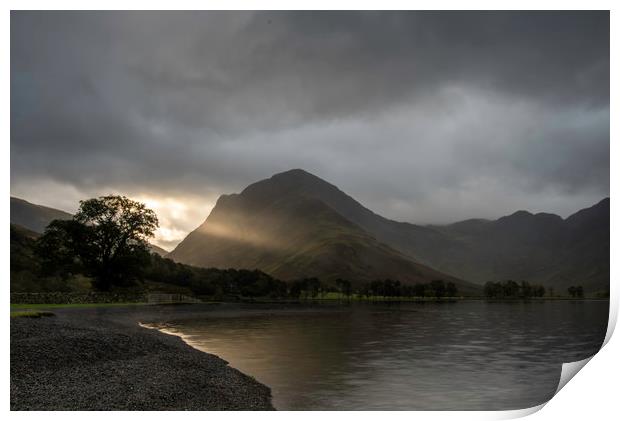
[(214, 282), (390, 288), (308, 288), (575, 291), (513, 289)]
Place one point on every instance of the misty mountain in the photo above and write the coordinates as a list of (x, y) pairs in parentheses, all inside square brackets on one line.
[(32, 219), (295, 224)]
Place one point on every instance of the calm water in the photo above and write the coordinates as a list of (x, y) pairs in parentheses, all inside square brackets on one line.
[(408, 356)]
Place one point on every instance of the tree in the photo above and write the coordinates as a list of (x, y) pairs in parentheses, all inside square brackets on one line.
[(451, 289), (419, 290), (366, 290), (106, 239), (576, 291), (439, 288), (493, 290), (572, 291), (344, 287), (526, 289), (511, 289), (539, 291), (376, 288), (391, 288), (579, 291), (57, 248)]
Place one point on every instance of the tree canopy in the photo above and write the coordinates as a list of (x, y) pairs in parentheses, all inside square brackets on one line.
[(106, 239)]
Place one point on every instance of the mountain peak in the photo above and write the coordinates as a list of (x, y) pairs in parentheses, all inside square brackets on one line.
[(521, 214), (292, 182), (296, 175), (294, 172)]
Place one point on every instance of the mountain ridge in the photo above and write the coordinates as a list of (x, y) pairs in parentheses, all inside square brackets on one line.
[(519, 246)]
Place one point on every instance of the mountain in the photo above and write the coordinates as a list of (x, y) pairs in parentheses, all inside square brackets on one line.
[(34, 217), (541, 248), (278, 227), (295, 224), (158, 250), (31, 219)]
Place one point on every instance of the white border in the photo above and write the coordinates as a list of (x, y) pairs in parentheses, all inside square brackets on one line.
[(591, 394)]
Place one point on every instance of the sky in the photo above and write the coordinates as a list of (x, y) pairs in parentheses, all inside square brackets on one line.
[(424, 117)]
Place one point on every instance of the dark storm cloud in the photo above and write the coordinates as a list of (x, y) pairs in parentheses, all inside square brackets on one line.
[(425, 116)]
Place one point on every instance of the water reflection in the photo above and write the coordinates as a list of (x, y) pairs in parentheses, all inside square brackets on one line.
[(468, 355)]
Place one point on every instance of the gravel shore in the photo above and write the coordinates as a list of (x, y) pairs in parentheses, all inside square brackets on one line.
[(101, 359)]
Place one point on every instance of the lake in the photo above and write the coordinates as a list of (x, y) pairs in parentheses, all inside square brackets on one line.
[(468, 355)]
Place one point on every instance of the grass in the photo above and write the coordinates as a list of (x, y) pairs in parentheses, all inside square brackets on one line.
[(31, 314)]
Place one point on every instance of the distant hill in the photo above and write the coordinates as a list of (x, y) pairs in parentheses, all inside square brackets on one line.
[(158, 250), (31, 218), (295, 224), (541, 248), (34, 217)]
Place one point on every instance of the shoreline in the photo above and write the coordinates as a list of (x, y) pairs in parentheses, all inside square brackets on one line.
[(102, 359)]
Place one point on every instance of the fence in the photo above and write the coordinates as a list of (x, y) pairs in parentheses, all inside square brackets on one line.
[(75, 297), (98, 297)]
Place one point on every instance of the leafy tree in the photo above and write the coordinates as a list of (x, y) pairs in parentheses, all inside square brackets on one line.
[(366, 290), (526, 289), (295, 289), (344, 287), (376, 288), (347, 288), (106, 239), (493, 289), (57, 248), (451, 290), (575, 291), (438, 287), (511, 289), (539, 291), (391, 288), (579, 291), (419, 290)]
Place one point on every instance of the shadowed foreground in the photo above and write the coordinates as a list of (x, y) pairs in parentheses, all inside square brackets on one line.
[(95, 363)]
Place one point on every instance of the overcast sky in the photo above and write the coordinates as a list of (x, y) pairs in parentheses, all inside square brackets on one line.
[(422, 117)]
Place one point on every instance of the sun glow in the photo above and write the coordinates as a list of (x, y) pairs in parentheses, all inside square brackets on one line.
[(177, 217)]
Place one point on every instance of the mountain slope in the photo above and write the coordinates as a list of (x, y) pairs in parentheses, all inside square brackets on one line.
[(34, 217), (540, 248), (291, 235)]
